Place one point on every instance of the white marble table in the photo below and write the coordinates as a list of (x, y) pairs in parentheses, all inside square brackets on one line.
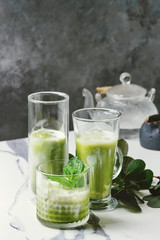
[(18, 216)]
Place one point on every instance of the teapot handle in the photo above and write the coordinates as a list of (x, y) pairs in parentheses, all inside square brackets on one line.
[(151, 94), (103, 90)]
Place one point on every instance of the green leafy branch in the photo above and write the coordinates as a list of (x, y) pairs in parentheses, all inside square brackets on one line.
[(133, 178), (154, 198)]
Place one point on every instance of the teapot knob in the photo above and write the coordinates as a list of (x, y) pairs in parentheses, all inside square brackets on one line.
[(125, 78), (151, 94)]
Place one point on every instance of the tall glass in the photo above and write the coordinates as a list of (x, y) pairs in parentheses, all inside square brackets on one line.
[(48, 114), (96, 134)]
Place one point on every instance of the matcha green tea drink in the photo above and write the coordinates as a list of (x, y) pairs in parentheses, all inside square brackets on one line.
[(59, 204), (98, 146), (96, 134), (48, 114), (44, 145), (62, 201)]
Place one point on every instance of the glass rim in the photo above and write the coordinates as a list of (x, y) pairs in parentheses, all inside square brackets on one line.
[(97, 120), (62, 94), (57, 175)]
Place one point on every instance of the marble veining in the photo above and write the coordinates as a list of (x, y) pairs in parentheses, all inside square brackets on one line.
[(94, 221), (19, 147), (23, 214), (15, 223), (19, 219)]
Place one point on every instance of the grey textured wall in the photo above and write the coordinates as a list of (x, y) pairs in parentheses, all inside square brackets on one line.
[(64, 45)]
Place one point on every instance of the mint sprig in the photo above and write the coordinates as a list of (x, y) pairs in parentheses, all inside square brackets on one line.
[(73, 173)]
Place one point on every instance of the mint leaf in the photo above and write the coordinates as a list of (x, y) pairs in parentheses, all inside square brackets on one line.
[(70, 155), (74, 166), (73, 170), (88, 167), (61, 180)]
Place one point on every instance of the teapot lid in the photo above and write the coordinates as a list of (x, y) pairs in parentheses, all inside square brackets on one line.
[(126, 90)]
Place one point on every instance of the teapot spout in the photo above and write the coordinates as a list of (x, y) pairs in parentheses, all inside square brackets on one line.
[(88, 101)]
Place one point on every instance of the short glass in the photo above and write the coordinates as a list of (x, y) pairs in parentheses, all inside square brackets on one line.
[(58, 205), (96, 134), (48, 114)]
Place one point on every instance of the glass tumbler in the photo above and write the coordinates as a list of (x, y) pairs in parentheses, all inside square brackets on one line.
[(48, 114), (96, 134), (60, 203)]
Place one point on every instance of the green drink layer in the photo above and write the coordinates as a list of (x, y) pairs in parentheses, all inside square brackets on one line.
[(98, 146), (59, 204), (44, 145)]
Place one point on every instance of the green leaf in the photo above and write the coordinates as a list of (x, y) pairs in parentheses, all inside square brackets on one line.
[(153, 201), (74, 166), (80, 182), (71, 155), (61, 180), (146, 179), (135, 167), (155, 190), (123, 145), (139, 199), (147, 198), (88, 167), (133, 178), (127, 198), (126, 161), (73, 170)]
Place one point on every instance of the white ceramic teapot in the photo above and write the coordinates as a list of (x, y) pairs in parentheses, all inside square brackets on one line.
[(133, 101)]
